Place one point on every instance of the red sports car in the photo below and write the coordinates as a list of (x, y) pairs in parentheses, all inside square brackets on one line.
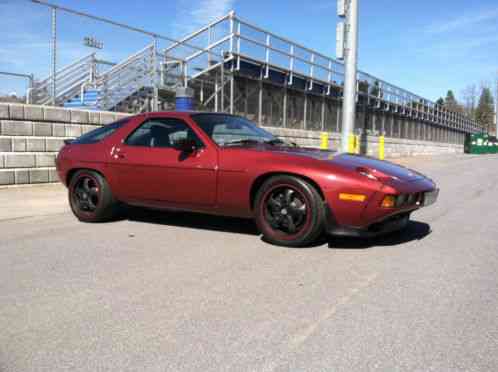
[(226, 165)]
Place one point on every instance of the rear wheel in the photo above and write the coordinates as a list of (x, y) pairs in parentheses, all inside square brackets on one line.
[(289, 211), (90, 197)]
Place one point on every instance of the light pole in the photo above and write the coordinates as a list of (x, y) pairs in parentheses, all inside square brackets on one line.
[(54, 55), (496, 107), (349, 9)]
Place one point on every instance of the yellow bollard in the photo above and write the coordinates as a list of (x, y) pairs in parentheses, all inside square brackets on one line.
[(357, 144), (324, 141), (381, 147), (351, 144)]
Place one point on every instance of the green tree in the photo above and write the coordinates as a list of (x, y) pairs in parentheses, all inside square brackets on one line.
[(485, 109), (451, 103), (440, 101)]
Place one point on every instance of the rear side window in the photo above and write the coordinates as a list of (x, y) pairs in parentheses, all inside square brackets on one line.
[(99, 134)]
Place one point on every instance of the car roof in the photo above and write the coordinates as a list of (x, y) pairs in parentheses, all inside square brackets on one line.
[(183, 114)]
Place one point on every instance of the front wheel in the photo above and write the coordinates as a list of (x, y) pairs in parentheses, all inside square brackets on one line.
[(289, 211), (90, 197)]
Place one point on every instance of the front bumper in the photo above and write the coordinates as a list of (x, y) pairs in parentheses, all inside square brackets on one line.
[(389, 225), (379, 221)]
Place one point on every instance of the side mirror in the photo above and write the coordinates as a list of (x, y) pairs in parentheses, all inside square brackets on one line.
[(185, 145)]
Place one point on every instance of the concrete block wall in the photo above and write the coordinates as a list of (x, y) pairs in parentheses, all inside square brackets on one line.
[(31, 136), (394, 147)]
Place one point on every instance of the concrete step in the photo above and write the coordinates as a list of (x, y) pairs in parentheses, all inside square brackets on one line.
[(43, 129), (31, 144), (36, 113), (24, 176), (14, 160)]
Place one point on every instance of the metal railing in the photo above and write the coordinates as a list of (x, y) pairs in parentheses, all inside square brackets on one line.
[(138, 71), (69, 81), (29, 77), (233, 39), (239, 40)]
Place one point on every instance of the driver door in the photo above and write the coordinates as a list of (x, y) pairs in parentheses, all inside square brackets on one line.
[(149, 168)]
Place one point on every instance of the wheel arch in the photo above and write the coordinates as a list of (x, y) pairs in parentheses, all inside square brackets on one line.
[(258, 182), (70, 174)]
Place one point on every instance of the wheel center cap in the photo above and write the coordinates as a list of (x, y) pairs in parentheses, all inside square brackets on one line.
[(284, 211)]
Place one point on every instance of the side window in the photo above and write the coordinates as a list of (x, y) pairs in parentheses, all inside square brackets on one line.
[(162, 133), (99, 134)]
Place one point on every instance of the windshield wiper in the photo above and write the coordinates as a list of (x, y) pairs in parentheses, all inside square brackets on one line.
[(275, 141), (242, 142), (278, 141)]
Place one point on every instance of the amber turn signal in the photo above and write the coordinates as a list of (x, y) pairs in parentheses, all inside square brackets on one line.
[(389, 201), (352, 197)]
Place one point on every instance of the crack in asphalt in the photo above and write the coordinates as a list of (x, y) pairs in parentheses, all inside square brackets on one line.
[(300, 337)]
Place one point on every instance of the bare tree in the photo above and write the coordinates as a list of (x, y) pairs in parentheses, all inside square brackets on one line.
[(470, 96)]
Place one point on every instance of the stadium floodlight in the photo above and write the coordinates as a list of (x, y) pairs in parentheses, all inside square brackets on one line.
[(92, 42), (340, 38)]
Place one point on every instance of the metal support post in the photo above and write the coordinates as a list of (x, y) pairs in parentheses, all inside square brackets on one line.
[(232, 88), (216, 88), (155, 99), (260, 103), (246, 98), (496, 109), (338, 119), (232, 21), (54, 55), (322, 118), (284, 109), (350, 85), (201, 92), (222, 101), (305, 122)]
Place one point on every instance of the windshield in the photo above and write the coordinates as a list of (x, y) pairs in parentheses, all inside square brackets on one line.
[(228, 130)]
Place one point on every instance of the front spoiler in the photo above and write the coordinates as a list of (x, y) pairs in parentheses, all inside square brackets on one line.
[(388, 225)]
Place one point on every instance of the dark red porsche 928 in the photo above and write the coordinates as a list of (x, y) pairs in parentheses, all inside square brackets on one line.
[(225, 165)]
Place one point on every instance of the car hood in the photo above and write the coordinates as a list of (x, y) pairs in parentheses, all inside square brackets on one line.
[(384, 170)]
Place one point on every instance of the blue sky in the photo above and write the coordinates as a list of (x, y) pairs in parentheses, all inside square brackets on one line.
[(424, 46)]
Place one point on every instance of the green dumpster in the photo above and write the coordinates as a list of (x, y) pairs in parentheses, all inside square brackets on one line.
[(494, 145), (476, 143)]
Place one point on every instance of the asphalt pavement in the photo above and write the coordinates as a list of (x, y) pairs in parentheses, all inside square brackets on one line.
[(180, 292)]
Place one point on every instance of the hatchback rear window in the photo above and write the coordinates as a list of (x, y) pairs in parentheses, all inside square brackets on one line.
[(99, 134)]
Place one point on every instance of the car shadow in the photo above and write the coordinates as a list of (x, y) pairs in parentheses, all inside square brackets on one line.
[(192, 220), (414, 231)]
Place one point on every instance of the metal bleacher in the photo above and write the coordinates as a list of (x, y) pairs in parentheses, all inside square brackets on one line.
[(85, 84), (216, 61)]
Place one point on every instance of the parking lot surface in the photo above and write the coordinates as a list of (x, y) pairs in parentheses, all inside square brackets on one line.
[(179, 292)]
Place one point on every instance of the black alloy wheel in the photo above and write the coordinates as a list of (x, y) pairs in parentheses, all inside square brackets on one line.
[(90, 197), (289, 211)]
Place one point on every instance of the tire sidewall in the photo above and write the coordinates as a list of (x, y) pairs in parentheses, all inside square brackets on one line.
[(104, 204), (314, 217)]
